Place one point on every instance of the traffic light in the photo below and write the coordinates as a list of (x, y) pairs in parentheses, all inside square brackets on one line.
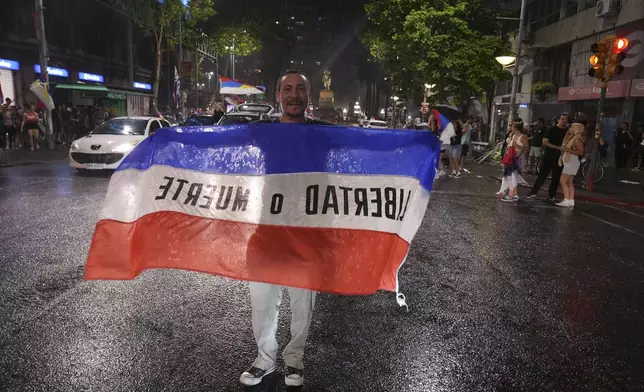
[(618, 46), (598, 60)]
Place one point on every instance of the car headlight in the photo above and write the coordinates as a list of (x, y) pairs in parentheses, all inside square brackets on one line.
[(126, 147), (75, 146)]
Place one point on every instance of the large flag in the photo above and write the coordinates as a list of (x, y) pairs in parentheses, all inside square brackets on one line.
[(325, 208), (40, 88)]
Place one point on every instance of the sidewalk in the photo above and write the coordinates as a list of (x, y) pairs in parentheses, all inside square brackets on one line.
[(612, 190), (18, 157)]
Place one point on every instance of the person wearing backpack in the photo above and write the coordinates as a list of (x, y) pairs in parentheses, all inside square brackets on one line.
[(30, 126)]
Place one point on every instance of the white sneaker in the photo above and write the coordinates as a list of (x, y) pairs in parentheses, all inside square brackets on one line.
[(441, 173), (566, 203), (294, 377), (254, 375)]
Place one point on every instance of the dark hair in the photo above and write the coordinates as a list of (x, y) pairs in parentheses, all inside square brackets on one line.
[(565, 114), (543, 120), (292, 72), (519, 126)]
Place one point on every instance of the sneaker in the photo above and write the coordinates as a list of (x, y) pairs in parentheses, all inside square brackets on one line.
[(441, 173), (550, 199), (566, 203), (509, 199), (635, 169), (466, 171), (294, 377), (254, 375)]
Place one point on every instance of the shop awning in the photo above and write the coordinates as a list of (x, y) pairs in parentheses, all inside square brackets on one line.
[(87, 87), (130, 92)]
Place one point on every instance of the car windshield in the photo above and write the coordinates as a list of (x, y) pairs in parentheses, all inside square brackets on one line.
[(254, 108), (238, 119), (122, 126), (200, 120)]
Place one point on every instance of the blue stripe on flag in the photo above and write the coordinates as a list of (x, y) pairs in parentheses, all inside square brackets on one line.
[(257, 149)]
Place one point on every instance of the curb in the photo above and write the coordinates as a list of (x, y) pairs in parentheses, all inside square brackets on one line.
[(591, 199)]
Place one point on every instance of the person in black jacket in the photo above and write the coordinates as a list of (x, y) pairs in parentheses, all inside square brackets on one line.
[(550, 162)]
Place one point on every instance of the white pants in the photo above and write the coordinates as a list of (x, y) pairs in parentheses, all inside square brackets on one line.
[(265, 301)]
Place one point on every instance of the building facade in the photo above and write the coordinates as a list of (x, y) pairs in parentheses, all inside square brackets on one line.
[(556, 49), (97, 56)]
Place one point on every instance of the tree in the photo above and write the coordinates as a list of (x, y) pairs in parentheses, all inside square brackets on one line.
[(449, 43), (244, 38), (167, 21)]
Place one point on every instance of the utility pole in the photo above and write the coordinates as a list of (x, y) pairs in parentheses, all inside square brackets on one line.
[(233, 57), (43, 67), (606, 60), (515, 71), (130, 55)]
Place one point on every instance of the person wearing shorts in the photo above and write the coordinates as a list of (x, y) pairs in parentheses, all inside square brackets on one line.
[(30, 125), (455, 149), (536, 146)]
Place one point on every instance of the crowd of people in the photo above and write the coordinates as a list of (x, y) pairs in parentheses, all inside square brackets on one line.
[(557, 151), (20, 127), (24, 127)]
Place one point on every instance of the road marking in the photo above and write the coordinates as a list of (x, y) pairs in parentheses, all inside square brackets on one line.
[(611, 224), (624, 211)]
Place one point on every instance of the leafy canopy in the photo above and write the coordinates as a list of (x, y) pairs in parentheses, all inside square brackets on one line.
[(449, 43)]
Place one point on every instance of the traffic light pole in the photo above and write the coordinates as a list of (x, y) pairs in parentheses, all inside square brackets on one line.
[(598, 127)]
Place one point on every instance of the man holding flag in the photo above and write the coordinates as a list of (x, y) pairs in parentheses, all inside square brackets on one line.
[(293, 90)]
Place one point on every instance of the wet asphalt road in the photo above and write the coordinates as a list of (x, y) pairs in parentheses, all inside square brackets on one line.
[(503, 297)]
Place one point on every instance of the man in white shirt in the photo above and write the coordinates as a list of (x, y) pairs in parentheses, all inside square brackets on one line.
[(445, 137)]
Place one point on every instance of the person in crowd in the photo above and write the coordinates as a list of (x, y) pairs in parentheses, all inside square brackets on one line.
[(552, 140), (30, 126), (293, 91), (536, 146), (640, 148), (99, 115), (6, 126), (455, 148), (517, 143), (622, 143), (13, 130), (445, 138), (572, 149), (634, 150), (468, 128)]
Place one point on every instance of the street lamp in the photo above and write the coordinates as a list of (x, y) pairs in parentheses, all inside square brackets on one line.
[(209, 78), (505, 60)]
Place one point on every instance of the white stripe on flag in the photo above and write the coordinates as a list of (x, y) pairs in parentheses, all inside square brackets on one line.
[(392, 204)]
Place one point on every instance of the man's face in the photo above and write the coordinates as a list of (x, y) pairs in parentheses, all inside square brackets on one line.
[(625, 126), (563, 120), (293, 95)]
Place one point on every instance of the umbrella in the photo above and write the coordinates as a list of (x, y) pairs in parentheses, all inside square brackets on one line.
[(230, 86), (449, 112)]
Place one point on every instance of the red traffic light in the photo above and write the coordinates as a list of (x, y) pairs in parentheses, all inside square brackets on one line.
[(619, 45)]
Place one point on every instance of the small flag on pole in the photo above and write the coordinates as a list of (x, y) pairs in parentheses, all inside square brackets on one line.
[(40, 88)]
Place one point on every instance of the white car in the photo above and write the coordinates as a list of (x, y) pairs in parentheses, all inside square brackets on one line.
[(240, 118), (107, 145), (255, 108), (375, 124)]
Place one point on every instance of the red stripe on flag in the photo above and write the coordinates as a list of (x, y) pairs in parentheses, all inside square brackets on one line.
[(341, 261)]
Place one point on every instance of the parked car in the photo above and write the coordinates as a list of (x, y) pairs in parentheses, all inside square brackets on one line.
[(240, 118), (199, 120), (107, 145), (255, 108), (375, 124)]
